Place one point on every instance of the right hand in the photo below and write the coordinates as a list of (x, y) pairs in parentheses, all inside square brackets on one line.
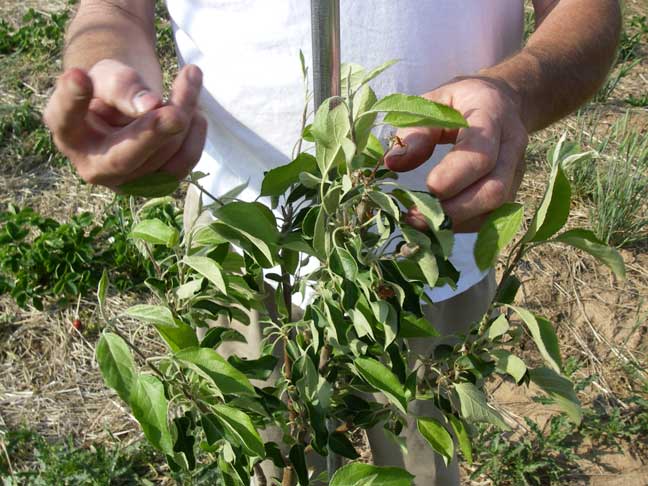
[(114, 128)]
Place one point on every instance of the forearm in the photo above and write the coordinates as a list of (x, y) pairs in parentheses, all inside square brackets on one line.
[(564, 62), (122, 30)]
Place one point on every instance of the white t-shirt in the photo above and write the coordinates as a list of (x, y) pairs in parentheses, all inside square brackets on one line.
[(253, 94)]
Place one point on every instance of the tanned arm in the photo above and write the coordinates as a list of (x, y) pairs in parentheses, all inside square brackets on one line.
[(565, 60), (122, 30), (107, 114), (563, 64)]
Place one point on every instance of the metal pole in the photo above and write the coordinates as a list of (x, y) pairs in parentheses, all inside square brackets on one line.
[(325, 26)]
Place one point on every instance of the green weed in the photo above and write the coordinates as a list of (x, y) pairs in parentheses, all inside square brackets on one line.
[(35, 461), (39, 33), (550, 455), (41, 258), (638, 101)]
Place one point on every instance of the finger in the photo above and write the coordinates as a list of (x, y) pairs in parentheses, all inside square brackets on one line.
[(129, 148), (109, 114), (416, 147), (415, 218), (181, 164), (186, 89), (473, 156), (491, 191), (121, 87), (470, 226), (67, 108)]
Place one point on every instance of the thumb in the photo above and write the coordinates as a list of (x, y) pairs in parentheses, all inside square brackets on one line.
[(122, 87)]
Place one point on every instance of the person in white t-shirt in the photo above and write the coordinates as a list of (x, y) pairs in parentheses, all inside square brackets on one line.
[(235, 106)]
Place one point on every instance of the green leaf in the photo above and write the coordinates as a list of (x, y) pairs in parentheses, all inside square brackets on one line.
[(496, 233), (102, 288), (437, 436), (206, 236), (474, 406), (361, 325), (362, 102), (209, 363), (155, 232), (252, 218), (386, 315), (423, 256), (360, 474), (116, 364), (543, 335), (240, 427), (463, 438), (185, 441), (331, 200), (509, 363), (560, 389), (386, 203), (256, 247), (330, 129), (340, 444), (498, 328), (157, 184), (150, 408), (553, 211), (321, 237), (375, 72), (343, 263), (256, 369), (587, 241), (209, 269), (380, 377), (508, 291), (429, 207), (153, 314), (279, 179), (406, 111), (178, 336), (217, 335), (412, 326), (297, 458)]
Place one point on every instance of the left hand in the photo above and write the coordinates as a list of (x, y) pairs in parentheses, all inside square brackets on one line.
[(484, 169)]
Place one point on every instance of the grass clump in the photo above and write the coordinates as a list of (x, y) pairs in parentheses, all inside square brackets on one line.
[(614, 181)]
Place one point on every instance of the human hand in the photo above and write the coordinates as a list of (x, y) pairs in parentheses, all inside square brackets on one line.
[(114, 128), (484, 169)]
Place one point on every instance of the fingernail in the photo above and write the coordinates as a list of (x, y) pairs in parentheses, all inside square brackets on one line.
[(76, 89), (144, 101), (195, 75), (397, 151)]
